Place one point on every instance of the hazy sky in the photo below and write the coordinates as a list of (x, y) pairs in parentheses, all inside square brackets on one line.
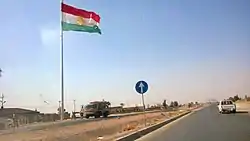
[(185, 49)]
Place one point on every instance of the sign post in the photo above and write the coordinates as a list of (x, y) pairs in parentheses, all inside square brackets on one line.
[(141, 87)]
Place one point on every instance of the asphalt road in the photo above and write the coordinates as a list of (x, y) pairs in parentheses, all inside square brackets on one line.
[(205, 125)]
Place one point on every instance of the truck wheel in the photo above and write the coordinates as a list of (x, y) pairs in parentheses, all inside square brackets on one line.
[(97, 116), (87, 116), (234, 111), (105, 115), (81, 114)]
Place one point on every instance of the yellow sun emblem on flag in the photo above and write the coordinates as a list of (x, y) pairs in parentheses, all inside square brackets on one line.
[(80, 20)]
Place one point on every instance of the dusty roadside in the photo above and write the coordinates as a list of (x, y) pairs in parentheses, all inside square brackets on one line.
[(106, 129), (243, 106)]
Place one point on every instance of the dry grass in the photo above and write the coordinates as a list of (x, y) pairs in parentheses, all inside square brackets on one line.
[(107, 129), (130, 126)]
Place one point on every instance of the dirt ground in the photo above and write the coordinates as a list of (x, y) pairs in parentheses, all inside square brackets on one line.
[(105, 129), (243, 106)]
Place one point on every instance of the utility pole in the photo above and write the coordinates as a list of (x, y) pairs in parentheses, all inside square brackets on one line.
[(74, 106), (2, 97), (62, 70), (2, 101), (1, 72)]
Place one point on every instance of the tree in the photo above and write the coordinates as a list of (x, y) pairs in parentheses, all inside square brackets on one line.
[(231, 98), (236, 97), (247, 98), (164, 104), (122, 104), (148, 106), (172, 104), (176, 104)]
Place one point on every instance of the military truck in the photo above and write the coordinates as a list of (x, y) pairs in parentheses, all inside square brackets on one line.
[(96, 109)]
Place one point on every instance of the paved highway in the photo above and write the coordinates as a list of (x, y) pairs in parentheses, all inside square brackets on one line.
[(205, 125)]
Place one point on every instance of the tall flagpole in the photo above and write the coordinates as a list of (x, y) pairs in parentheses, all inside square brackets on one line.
[(62, 75)]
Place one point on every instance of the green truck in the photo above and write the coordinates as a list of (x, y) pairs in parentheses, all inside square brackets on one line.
[(96, 109)]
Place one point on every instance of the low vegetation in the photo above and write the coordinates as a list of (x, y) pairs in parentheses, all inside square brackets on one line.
[(237, 98)]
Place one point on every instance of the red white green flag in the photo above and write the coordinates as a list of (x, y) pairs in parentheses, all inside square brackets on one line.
[(74, 19)]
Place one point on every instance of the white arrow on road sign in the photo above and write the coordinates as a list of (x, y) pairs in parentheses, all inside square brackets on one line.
[(141, 86)]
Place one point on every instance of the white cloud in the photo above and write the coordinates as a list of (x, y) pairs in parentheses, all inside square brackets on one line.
[(50, 36)]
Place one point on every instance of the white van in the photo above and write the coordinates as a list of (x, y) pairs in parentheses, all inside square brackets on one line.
[(227, 106)]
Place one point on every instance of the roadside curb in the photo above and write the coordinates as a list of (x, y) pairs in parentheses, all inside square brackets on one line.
[(144, 131)]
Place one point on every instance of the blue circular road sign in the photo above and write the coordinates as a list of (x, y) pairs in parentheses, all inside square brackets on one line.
[(141, 87)]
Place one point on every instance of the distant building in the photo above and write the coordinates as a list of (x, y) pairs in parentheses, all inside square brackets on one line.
[(8, 112), (117, 109), (18, 116), (6, 123)]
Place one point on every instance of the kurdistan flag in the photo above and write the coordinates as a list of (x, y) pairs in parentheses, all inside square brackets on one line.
[(74, 19)]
